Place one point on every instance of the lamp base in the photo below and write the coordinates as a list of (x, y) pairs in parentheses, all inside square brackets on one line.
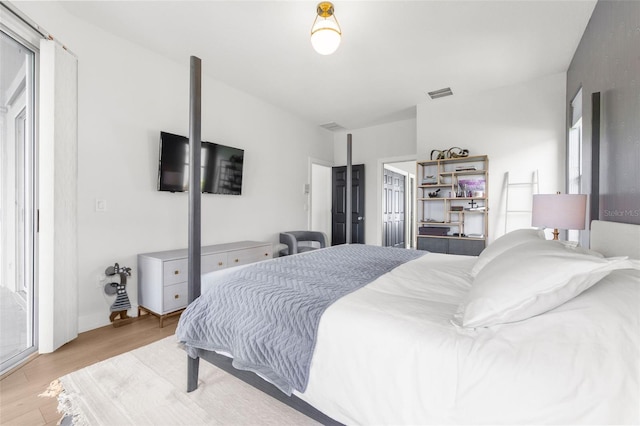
[(555, 234)]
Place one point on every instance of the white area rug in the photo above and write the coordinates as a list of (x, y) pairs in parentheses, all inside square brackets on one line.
[(147, 386)]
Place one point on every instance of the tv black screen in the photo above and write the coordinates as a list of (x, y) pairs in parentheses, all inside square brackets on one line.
[(221, 166), (173, 168), (224, 169)]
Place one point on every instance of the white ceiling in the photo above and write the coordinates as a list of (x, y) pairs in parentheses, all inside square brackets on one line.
[(392, 52)]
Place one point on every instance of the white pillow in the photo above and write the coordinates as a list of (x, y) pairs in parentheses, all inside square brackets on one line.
[(504, 243), (530, 279)]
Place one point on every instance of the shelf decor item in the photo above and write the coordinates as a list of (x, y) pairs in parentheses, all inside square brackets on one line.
[(429, 180), (440, 155), (472, 187), (456, 152), (453, 152)]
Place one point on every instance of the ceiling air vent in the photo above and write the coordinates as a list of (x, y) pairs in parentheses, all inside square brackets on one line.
[(333, 126), (441, 93)]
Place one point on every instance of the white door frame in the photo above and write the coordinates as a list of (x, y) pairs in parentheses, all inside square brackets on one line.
[(379, 187), (309, 190)]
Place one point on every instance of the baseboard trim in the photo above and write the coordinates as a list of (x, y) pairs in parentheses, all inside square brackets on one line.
[(100, 319)]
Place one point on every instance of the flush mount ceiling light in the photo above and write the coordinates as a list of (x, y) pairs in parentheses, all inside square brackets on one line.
[(325, 32)]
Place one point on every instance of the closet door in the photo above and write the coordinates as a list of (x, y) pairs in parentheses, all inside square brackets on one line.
[(393, 219), (339, 204)]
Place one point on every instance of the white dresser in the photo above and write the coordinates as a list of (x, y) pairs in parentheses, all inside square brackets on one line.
[(162, 276)]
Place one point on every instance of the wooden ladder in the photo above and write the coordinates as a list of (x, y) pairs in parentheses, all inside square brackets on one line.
[(518, 201)]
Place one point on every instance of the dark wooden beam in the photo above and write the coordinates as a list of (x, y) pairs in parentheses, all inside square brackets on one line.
[(195, 249), (594, 209), (348, 220)]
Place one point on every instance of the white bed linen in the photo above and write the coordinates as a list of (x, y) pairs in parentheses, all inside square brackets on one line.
[(388, 354)]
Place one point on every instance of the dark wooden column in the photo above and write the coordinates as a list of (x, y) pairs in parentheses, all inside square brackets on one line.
[(195, 89)]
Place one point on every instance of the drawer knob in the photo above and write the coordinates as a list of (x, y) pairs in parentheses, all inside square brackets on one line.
[(237, 260), (177, 296), (219, 263), (176, 272), (266, 254)]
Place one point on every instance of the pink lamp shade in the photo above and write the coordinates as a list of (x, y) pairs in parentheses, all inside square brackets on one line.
[(559, 211)]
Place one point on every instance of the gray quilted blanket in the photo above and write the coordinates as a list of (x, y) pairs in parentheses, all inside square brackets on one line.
[(266, 315)]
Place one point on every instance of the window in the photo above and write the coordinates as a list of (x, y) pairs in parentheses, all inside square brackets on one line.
[(574, 155), (17, 196)]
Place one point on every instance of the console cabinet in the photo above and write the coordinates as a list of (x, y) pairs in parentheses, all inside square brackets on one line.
[(163, 278), (452, 205)]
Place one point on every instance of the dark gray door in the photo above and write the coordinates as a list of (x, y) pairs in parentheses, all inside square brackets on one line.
[(338, 204), (393, 217)]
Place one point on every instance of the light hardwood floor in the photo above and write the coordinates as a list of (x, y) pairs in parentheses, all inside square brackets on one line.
[(19, 401)]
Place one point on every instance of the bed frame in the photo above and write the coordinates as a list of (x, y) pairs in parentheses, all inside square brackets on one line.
[(615, 239), (609, 238), (224, 363)]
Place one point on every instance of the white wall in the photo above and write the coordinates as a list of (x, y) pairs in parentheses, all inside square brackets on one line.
[(521, 128), (127, 95), (408, 167), (372, 146)]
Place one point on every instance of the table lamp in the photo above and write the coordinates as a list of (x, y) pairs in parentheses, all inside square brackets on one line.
[(559, 211)]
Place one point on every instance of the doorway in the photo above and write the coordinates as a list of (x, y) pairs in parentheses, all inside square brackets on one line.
[(398, 204), (339, 203), (17, 199), (320, 198), (393, 209)]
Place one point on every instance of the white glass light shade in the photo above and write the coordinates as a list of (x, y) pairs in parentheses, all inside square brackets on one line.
[(562, 211), (325, 36)]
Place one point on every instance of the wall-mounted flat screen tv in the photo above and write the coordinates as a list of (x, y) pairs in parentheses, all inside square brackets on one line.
[(222, 166)]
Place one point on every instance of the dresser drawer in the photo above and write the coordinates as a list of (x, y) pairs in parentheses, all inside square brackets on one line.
[(242, 257), (175, 297), (213, 262), (175, 271)]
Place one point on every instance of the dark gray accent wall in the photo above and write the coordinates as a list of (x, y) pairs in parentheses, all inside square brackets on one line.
[(607, 60)]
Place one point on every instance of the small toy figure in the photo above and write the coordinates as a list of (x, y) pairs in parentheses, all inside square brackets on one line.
[(122, 303)]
